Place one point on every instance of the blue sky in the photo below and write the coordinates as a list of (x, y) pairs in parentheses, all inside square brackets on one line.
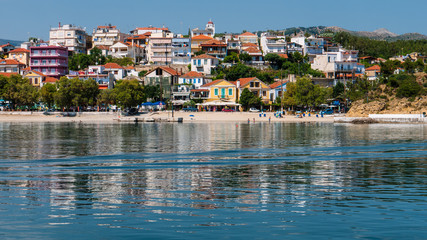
[(34, 18)]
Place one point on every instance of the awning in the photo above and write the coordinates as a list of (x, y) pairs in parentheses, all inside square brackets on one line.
[(219, 103)]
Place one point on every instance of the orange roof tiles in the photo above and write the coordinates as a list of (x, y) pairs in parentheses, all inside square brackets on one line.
[(249, 45), (113, 65), (247, 34), (252, 50), (8, 74), (283, 55), (9, 62), (192, 74), (51, 80), (39, 73), (277, 84), (166, 69), (19, 50), (244, 81), (201, 37), (214, 42), (153, 28), (130, 68), (204, 56), (373, 68), (213, 83)]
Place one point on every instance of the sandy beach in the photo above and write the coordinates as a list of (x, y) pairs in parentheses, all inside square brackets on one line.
[(95, 117)]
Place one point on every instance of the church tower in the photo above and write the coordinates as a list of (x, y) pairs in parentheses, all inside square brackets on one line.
[(211, 26)]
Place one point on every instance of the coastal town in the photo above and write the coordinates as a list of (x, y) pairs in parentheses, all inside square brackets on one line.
[(204, 70)]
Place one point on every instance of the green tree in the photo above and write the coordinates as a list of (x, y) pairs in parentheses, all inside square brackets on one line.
[(408, 88), (239, 71), (199, 53), (20, 92), (47, 94), (129, 93), (90, 91), (338, 90), (232, 58), (303, 95), (153, 92), (289, 99), (106, 97), (142, 73), (245, 57), (126, 61), (247, 98), (275, 60)]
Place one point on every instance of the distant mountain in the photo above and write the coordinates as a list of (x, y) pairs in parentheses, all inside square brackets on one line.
[(13, 42), (379, 34)]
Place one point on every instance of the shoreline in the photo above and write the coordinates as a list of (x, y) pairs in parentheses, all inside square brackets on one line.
[(199, 117)]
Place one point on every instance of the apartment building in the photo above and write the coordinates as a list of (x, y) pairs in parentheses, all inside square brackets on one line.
[(181, 51), (272, 44), (70, 36), (159, 49), (21, 55), (107, 36), (52, 61)]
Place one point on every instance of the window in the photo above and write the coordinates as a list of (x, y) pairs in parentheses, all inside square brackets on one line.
[(216, 92), (264, 93), (206, 61), (230, 92), (194, 62), (199, 62), (257, 84), (36, 81), (329, 59), (52, 52)]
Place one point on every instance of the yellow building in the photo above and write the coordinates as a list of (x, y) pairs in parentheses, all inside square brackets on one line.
[(222, 96), (36, 78), (256, 86), (21, 55)]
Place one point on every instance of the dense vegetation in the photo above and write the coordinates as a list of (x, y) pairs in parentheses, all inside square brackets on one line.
[(378, 48)]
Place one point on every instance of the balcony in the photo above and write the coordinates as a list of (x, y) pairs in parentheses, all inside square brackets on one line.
[(47, 64), (49, 55)]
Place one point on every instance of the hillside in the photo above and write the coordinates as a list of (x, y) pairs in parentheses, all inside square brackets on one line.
[(13, 42), (379, 34)]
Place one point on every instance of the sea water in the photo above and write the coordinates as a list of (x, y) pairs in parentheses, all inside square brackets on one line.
[(213, 181)]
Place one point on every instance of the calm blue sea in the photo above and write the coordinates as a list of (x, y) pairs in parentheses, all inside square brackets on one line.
[(213, 181)]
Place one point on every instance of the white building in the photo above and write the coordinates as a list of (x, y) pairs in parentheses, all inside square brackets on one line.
[(72, 37), (208, 31), (107, 36), (204, 64), (194, 78), (273, 44), (150, 29), (159, 49), (122, 50)]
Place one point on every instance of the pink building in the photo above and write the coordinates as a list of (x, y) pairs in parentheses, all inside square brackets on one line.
[(52, 61)]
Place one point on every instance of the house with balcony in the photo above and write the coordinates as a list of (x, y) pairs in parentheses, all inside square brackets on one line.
[(204, 64), (181, 51), (197, 41), (248, 37), (150, 29), (254, 85), (215, 48), (159, 49), (256, 55), (129, 50), (11, 66), (107, 36), (192, 78), (104, 79), (293, 47), (233, 45), (341, 65), (273, 44), (162, 76), (70, 36), (21, 55), (219, 94), (52, 61)]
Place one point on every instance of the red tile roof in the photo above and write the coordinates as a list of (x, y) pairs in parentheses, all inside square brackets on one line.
[(102, 47), (204, 56), (130, 68), (213, 83), (277, 84), (283, 55), (109, 27), (214, 42), (5, 45), (9, 62), (192, 74), (19, 50), (199, 90), (252, 50), (201, 37), (244, 81), (7, 74), (113, 66), (166, 69), (138, 37), (39, 73), (51, 80), (249, 45), (247, 34), (373, 68)]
